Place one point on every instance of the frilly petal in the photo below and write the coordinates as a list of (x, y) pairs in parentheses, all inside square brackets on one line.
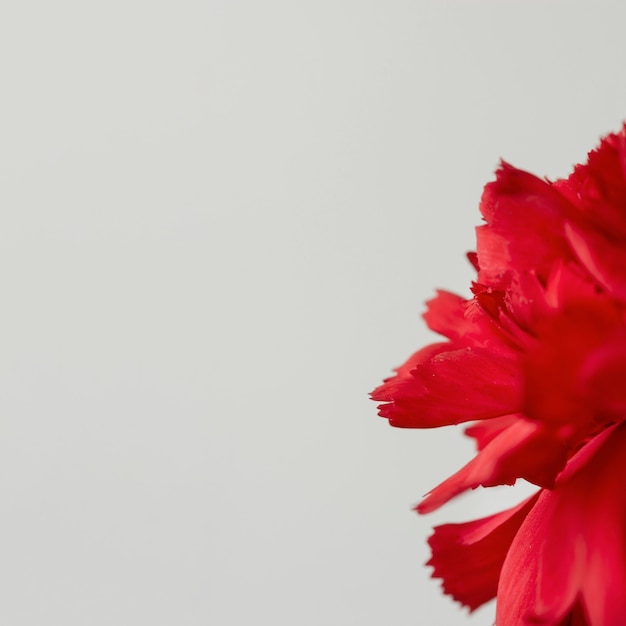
[(524, 230), (468, 557), (449, 385)]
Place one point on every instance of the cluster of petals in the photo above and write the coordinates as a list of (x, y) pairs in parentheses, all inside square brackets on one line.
[(535, 362)]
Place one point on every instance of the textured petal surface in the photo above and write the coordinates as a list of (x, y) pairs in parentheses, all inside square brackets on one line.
[(448, 385)]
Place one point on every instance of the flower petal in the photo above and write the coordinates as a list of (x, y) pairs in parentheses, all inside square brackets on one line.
[(451, 386), (572, 545), (598, 187), (524, 230), (556, 389), (603, 256), (466, 322), (468, 557), (523, 450), (485, 431)]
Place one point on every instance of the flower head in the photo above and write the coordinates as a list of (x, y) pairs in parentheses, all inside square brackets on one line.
[(536, 361)]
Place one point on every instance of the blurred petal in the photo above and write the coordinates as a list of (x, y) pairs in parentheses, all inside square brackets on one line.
[(487, 430), (602, 256), (560, 388), (572, 544)]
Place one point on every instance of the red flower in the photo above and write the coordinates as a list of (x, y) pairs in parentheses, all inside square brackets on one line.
[(536, 359)]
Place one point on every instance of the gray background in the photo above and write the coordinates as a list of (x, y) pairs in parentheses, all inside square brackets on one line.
[(220, 221)]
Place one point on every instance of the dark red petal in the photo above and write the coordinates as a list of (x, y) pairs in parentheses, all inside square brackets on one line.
[(577, 617), (468, 557), (603, 375), (523, 450), (472, 257)]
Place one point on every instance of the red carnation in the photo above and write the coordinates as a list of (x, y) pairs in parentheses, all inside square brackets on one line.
[(536, 360)]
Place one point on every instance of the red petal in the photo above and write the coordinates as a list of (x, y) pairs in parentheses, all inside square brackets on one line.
[(453, 386), (577, 617), (556, 390), (597, 234), (572, 544), (602, 377), (524, 230), (523, 450), (602, 256), (469, 557), (472, 257), (445, 315), (394, 384), (487, 430), (598, 188), (468, 322)]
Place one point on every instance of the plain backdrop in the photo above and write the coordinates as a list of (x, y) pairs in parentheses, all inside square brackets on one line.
[(219, 224)]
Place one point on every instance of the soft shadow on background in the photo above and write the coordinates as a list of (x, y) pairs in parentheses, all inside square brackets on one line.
[(220, 221)]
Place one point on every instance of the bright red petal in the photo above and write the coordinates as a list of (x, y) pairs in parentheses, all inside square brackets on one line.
[(572, 544), (466, 322), (468, 557), (597, 232), (598, 187), (564, 373), (524, 230), (486, 431), (451, 386), (523, 450), (604, 257)]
